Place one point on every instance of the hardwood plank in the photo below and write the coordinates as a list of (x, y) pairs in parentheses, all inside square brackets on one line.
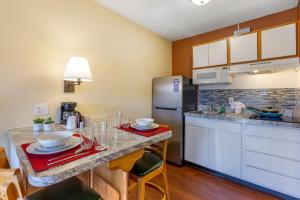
[(187, 183)]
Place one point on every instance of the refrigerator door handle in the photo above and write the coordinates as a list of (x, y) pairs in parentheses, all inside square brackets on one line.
[(165, 108)]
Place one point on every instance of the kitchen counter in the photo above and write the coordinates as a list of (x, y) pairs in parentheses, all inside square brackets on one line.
[(246, 118)]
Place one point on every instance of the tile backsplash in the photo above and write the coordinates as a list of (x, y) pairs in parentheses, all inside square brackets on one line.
[(297, 102), (282, 98)]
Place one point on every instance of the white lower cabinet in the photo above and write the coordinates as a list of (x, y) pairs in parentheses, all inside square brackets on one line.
[(271, 158), (214, 144), (197, 145), (268, 156), (225, 152)]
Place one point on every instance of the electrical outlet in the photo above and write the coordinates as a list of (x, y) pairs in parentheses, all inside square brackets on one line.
[(231, 100), (40, 109)]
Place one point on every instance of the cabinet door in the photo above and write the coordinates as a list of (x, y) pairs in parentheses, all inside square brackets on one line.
[(243, 48), (200, 56), (217, 53), (279, 42), (225, 152), (196, 145)]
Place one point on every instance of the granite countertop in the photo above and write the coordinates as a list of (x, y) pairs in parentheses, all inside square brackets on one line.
[(121, 143), (246, 118)]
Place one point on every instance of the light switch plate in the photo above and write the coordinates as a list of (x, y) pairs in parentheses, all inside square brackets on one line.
[(40, 109)]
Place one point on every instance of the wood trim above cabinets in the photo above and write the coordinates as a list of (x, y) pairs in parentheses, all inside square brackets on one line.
[(297, 38), (228, 51), (259, 45)]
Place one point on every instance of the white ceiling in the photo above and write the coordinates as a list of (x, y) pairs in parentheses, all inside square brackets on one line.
[(177, 19)]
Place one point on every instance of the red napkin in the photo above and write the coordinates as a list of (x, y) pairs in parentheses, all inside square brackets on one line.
[(157, 131), (39, 162)]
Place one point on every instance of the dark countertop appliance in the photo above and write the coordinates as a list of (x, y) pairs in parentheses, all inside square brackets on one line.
[(67, 110)]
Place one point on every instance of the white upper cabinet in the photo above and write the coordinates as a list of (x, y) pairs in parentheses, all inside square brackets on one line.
[(217, 52), (200, 56), (243, 48), (278, 42)]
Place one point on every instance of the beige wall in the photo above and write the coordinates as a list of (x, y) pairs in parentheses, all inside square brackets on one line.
[(38, 36)]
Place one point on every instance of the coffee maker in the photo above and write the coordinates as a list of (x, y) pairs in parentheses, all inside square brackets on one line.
[(67, 110)]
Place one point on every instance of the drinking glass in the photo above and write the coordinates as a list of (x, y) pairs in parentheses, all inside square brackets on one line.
[(87, 138), (100, 132), (118, 119), (125, 121)]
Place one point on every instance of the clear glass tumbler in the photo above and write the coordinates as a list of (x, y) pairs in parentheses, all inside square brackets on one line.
[(118, 119), (100, 132), (87, 138)]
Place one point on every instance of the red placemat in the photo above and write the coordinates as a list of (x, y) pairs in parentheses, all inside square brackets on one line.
[(39, 162), (157, 131)]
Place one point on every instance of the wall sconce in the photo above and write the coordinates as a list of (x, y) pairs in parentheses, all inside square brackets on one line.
[(77, 71)]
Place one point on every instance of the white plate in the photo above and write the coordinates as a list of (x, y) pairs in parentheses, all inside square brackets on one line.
[(33, 148), (143, 128)]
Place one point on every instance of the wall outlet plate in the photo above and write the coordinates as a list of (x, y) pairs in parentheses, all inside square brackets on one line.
[(230, 100), (40, 109)]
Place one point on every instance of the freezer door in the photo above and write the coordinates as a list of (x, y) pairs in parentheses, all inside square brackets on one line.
[(174, 119), (167, 92)]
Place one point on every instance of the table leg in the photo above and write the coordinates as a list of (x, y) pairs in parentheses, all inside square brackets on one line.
[(111, 181)]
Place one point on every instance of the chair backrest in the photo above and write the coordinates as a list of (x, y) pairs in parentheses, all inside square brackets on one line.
[(9, 188), (160, 148), (4, 164), (11, 183)]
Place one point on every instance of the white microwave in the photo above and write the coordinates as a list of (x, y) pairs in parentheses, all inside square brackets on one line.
[(219, 75)]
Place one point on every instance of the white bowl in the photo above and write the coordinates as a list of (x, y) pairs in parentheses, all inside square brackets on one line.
[(54, 139), (144, 122)]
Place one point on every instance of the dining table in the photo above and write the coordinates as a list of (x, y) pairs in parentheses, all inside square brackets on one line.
[(109, 169)]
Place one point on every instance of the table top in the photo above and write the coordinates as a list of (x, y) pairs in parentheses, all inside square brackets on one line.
[(121, 143)]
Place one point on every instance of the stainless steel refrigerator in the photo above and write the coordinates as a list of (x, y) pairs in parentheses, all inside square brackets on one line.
[(171, 97)]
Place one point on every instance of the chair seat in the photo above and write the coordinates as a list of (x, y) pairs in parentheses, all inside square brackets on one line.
[(146, 164), (70, 189)]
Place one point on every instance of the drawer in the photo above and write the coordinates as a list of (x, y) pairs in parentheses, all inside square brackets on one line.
[(199, 122), (289, 150), (273, 181), (287, 134), (274, 164), (229, 126)]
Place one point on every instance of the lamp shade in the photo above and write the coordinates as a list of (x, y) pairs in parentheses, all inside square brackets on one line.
[(78, 69)]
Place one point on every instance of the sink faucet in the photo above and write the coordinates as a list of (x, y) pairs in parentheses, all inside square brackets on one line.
[(209, 106)]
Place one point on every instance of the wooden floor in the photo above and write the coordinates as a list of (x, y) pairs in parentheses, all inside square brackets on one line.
[(187, 183)]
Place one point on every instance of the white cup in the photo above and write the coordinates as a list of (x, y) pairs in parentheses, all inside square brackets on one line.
[(71, 123)]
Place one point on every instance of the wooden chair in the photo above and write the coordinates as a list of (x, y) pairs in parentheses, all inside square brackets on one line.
[(152, 164), (12, 188), (3, 159)]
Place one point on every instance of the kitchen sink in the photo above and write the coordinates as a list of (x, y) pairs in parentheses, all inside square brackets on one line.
[(204, 112), (239, 115)]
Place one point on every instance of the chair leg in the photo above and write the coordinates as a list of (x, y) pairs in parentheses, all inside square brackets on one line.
[(166, 183), (141, 188)]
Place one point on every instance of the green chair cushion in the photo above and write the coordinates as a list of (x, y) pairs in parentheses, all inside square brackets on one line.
[(70, 189), (146, 164)]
